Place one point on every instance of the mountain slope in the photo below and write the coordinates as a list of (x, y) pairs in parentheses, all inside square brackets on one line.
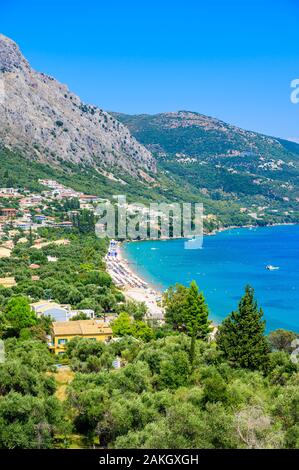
[(42, 120), (202, 136), (222, 161), (241, 177)]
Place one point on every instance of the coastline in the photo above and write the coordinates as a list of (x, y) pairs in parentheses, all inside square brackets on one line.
[(148, 293), (132, 285), (251, 226), (150, 299), (214, 232), (141, 295)]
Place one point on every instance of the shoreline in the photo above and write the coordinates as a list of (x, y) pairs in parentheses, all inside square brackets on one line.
[(143, 296), (149, 293), (132, 285), (159, 291), (215, 231)]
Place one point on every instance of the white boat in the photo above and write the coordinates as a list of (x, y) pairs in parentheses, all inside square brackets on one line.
[(272, 268)]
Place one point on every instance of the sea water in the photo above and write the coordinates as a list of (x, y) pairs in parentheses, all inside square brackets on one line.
[(226, 263)]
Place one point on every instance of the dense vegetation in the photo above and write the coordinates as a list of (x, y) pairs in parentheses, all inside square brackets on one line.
[(78, 277), (222, 185), (171, 394), (17, 171), (222, 163), (179, 384), (156, 386)]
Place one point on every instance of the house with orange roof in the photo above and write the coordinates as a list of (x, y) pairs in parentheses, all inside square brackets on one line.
[(65, 331)]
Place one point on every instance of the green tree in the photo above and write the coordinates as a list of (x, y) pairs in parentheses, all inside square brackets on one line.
[(74, 296), (32, 353), (84, 221), (196, 317), (174, 372), (185, 426), (16, 376), (30, 237), (82, 348), (19, 314), (141, 330), (281, 340), (241, 338), (215, 388), (122, 325), (174, 299), (28, 422), (80, 316), (186, 309), (137, 310)]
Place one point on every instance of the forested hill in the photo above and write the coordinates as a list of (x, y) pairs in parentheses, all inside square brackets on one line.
[(222, 161), (204, 137)]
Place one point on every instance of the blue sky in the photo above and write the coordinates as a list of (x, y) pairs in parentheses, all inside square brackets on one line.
[(230, 59)]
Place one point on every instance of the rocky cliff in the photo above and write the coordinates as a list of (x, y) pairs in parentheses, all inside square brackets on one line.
[(44, 121)]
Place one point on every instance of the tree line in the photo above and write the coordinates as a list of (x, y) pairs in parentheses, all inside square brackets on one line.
[(181, 384)]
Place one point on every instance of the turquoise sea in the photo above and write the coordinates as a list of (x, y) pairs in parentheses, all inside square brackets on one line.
[(227, 262)]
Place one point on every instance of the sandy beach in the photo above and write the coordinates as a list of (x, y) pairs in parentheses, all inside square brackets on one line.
[(133, 287)]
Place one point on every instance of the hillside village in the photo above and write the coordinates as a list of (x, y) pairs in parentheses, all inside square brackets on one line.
[(21, 209), (25, 219), (23, 214)]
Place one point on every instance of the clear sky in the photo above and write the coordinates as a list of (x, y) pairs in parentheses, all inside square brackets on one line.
[(230, 59)]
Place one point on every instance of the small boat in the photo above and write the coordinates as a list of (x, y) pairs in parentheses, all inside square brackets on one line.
[(272, 268)]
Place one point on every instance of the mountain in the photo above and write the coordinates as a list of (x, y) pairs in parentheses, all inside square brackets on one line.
[(222, 161), (202, 137), (43, 121), (241, 177)]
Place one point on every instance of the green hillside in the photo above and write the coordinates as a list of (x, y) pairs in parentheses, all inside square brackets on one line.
[(240, 177), (223, 162)]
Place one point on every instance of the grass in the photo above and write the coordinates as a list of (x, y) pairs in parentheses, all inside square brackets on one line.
[(63, 378)]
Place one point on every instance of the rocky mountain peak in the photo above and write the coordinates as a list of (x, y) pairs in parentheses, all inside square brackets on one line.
[(43, 120), (11, 57)]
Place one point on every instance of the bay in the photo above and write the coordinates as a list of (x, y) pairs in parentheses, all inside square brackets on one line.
[(227, 262)]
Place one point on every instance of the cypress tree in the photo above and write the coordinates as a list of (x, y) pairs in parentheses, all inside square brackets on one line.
[(186, 310), (196, 317), (241, 335)]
